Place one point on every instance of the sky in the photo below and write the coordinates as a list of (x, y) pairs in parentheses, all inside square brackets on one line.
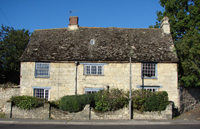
[(46, 14)]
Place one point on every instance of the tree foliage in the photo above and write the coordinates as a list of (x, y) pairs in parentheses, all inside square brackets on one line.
[(12, 45), (184, 18)]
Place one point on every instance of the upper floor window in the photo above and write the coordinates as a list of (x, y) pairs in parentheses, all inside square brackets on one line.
[(149, 70), (93, 69), (42, 69)]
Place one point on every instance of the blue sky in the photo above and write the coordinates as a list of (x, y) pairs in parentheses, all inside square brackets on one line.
[(45, 14)]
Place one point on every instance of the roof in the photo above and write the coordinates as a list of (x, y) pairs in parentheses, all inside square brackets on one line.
[(111, 44)]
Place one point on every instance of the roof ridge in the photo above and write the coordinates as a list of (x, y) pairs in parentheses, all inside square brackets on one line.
[(51, 29), (96, 28), (116, 27)]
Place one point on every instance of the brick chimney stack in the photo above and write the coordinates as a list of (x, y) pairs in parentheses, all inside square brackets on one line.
[(73, 23), (165, 25)]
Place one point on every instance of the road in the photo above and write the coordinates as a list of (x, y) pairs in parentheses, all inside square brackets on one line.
[(26, 126)]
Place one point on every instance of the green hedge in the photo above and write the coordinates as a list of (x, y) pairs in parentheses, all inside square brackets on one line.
[(76, 103), (158, 101), (145, 100), (110, 100), (139, 97), (27, 102)]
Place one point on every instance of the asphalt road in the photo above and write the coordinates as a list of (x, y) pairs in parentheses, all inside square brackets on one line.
[(20, 126)]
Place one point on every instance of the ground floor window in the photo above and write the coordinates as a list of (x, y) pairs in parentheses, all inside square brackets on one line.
[(150, 88), (92, 90), (41, 93)]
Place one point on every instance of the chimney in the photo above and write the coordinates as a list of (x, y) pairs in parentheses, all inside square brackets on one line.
[(165, 26), (73, 23)]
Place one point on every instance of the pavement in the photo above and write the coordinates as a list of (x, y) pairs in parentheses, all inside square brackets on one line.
[(191, 117), (97, 122)]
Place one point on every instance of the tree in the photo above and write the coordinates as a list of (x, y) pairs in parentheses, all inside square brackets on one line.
[(184, 18), (12, 45)]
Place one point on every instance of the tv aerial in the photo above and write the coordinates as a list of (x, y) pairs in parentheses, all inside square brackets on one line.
[(71, 12)]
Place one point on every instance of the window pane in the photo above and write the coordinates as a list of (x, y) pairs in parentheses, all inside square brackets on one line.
[(46, 94), (99, 69), (93, 70), (87, 69)]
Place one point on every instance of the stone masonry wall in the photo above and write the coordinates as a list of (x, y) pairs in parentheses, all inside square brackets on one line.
[(122, 114), (6, 94), (86, 114), (116, 75), (36, 113), (189, 98), (163, 115)]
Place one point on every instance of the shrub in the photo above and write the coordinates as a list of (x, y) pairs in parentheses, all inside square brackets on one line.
[(157, 101), (145, 100), (110, 100), (139, 97), (27, 102), (76, 103)]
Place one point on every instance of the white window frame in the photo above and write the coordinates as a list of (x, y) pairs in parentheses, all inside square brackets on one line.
[(150, 88), (37, 92), (92, 90), (149, 70), (40, 70), (88, 69)]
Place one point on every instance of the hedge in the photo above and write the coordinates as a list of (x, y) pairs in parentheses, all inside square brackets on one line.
[(76, 103), (27, 102)]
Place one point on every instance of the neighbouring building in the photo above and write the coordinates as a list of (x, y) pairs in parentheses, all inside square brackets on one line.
[(66, 61)]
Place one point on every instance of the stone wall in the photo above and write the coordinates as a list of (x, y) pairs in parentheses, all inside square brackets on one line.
[(163, 115), (6, 94), (86, 114), (36, 113), (116, 75), (119, 114), (82, 115), (189, 98)]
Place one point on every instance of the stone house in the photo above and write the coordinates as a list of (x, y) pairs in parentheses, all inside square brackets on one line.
[(78, 60)]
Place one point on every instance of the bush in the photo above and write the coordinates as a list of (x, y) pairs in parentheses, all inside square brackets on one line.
[(76, 103), (27, 102), (139, 97), (110, 100), (145, 100), (158, 101)]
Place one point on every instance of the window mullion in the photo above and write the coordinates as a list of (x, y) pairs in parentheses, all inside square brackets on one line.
[(90, 69)]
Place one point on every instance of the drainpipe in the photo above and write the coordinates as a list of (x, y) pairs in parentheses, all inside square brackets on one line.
[(77, 63)]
